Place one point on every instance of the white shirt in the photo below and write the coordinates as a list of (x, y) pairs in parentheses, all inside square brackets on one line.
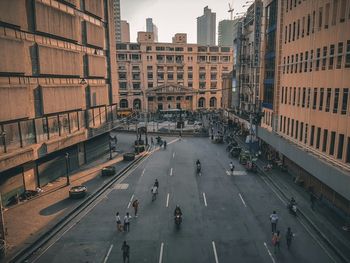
[(126, 219), (154, 189), (118, 218), (274, 218)]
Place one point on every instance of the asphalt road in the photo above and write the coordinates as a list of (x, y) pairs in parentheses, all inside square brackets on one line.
[(225, 217)]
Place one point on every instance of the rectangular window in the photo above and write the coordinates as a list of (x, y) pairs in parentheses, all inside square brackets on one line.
[(308, 98), (289, 32), (348, 151), (325, 139), (298, 29), (314, 102), (318, 138), (331, 56), (280, 123), (282, 95), (292, 129), (326, 18), (288, 126), (321, 99), (285, 35), (287, 64), (311, 58), (324, 58), (328, 99), (301, 131), (284, 65), (303, 27), (312, 135), (296, 129), (308, 24), (347, 55), (313, 21), (294, 95), (331, 147), (340, 55), (320, 18), (344, 105), (306, 132), (318, 53), (306, 61), (296, 63), (336, 101), (285, 95), (335, 11), (298, 101), (303, 98), (301, 63), (340, 146), (293, 38), (284, 124), (290, 96)]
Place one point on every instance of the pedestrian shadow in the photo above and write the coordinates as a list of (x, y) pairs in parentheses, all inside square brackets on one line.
[(57, 207)]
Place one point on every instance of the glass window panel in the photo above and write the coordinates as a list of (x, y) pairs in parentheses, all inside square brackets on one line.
[(81, 119), (64, 124), (41, 129), (103, 115), (53, 126), (73, 121), (12, 138), (27, 130), (97, 120)]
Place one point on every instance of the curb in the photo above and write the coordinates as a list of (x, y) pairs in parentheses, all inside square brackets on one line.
[(29, 250)]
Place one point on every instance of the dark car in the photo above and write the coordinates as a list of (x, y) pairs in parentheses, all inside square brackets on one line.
[(77, 191), (108, 170)]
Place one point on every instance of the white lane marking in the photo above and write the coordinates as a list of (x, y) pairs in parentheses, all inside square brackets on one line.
[(173, 154), (171, 171), (236, 173), (167, 200), (130, 201), (205, 200), (109, 252), (215, 254), (242, 200), (161, 253), (143, 172), (268, 251)]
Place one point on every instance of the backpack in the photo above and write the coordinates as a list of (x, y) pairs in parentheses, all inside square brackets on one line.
[(134, 203)]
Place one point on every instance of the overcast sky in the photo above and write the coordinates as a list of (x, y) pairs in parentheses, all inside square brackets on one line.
[(173, 16)]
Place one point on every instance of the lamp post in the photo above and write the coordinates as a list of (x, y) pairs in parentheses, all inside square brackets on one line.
[(67, 168)]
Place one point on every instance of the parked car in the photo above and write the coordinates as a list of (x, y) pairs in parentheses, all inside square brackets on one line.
[(108, 171), (77, 192)]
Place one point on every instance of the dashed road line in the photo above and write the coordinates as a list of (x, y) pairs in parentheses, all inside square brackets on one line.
[(161, 253), (173, 155), (132, 197), (270, 254), (109, 252), (171, 171), (215, 254), (167, 200), (242, 199), (205, 200), (143, 172)]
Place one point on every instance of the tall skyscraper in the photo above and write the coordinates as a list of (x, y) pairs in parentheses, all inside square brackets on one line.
[(125, 32), (226, 32), (117, 20), (150, 27), (206, 28)]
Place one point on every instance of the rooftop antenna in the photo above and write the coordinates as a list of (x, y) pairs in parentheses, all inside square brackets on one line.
[(230, 10)]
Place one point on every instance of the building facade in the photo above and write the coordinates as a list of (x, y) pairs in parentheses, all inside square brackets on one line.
[(237, 42), (159, 76), (125, 34), (206, 28), (57, 89), (225, 31), (305, 89), (151, 27), (117, 21)]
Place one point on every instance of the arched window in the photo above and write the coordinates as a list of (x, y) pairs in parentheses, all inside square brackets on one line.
[(137, 104), (212, 102), (201, 103), (123, 103)]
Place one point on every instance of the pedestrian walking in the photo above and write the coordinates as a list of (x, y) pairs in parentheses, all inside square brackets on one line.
[(154, 191), (119, 222), (274, 221), (289, 237), (312, 200), (126, 251), (232, 167), (276, 238), (135, 205), (127, 218), (152, 142), (156, 183)]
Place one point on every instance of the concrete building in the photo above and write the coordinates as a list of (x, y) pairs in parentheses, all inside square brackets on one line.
[(206, 28), (150, 27), (227, 90), (57, 89), (125, 35), (155, 76), (237, 42), (249, 59), (117, 20), (305, 91), (225, 31)]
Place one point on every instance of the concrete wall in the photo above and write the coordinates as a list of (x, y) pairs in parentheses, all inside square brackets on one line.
[(15, 99), (338, 180)]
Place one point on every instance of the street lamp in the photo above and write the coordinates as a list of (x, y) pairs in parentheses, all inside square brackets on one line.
[(67, 168)]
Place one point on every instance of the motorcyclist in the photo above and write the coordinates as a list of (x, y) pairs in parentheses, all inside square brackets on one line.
[(292, 205), (292, 202), (156, 183), (198, 162), (177, 211)]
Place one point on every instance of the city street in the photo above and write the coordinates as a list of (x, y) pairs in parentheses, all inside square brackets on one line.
[(225, 217)]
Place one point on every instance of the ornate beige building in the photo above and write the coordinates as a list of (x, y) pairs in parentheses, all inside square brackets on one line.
[(159, 76)]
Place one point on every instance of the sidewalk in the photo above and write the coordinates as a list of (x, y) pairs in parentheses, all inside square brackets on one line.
[(26, 221), (325, 221)]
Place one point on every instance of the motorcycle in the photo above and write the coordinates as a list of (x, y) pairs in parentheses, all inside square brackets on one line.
[(293, 208), (198, 169), (178, 220)]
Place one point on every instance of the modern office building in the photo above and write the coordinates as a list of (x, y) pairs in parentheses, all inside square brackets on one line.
[(117, 20), (237, 42), (151, 27), (57, 89), (159, 76), (125, 35), (225, 31), (305, 86), (206, 28)]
